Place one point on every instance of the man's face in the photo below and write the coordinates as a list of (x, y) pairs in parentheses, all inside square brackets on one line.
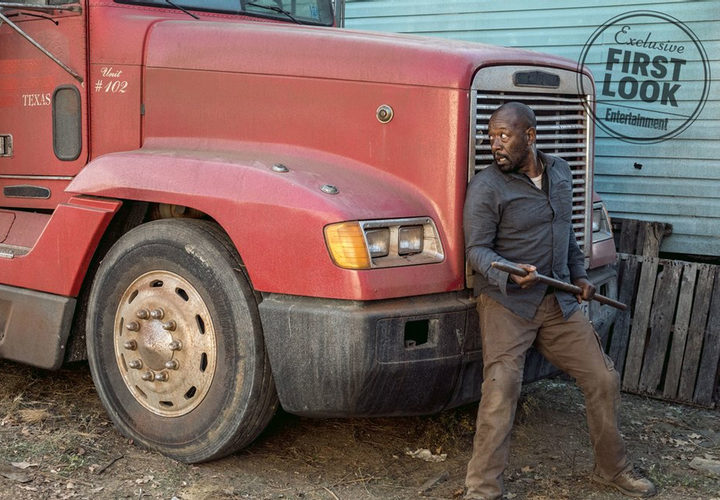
[(510, 142)]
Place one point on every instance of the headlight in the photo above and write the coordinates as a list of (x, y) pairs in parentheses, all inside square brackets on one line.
[(384, 243), (410, 240), (601, 228), (378, 241)]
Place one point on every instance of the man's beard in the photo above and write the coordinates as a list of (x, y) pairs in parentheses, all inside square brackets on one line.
[(514, 166), (510, 167)]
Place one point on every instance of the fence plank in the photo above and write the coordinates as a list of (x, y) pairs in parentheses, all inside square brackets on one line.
[(640, 241), (628, 272), (654, 233), (663, 310), (682, 322), (696, 331), (707, 373), (628, 236), (638, 334)]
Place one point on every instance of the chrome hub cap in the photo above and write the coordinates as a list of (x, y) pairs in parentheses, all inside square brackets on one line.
[(165, 343)]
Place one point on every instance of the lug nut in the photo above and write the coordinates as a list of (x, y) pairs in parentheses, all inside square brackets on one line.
[(157, 313), (175, 345), (148, 376), (135, 364), (170, 325), (143, 314), (133, 326), (172, 364), (130, 345), (161, 377)]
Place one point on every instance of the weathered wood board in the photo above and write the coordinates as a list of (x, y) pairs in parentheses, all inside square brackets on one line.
[(708, 373), (673, 344), (627, 274), (680, 331), (667, 288)]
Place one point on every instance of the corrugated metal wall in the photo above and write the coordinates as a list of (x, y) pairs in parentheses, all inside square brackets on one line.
[(679, 181)]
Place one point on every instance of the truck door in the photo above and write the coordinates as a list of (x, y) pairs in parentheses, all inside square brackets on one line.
[(43, 128)]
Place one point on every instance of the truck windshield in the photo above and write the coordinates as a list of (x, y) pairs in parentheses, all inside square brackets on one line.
[(304, 11)]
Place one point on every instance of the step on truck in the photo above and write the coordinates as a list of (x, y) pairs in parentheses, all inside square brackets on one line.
[(226, 206)]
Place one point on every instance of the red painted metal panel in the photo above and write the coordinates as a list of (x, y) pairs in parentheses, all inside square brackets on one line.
[(210, 85), (338, 117), (57, 263), (311, 52), (56, 187), (28, 79), (26, 228), (118, 38), (115, 91), (276, 220), (6, 222)]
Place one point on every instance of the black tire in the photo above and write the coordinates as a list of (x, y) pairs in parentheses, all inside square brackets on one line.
[(175, 342)]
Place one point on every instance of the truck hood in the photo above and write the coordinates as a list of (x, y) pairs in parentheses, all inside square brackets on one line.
[(329, 53)]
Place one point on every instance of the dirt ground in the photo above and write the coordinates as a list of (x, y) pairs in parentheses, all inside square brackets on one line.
[(56, 442)]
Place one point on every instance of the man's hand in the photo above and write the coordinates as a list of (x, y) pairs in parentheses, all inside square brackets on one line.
[(588, 289), (528, 280)]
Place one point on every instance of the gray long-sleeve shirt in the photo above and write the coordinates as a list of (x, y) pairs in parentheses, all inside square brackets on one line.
[(508, 219)]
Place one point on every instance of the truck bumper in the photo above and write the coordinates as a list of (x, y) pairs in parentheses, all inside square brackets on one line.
[(392, 357), (406, 356)]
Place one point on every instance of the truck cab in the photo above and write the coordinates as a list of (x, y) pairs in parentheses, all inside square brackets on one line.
[(230, 205)]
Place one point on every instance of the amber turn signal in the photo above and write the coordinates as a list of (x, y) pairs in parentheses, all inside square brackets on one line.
[(347, 246)]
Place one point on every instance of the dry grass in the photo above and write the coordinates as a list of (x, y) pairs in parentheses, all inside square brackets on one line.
[(33, 415)]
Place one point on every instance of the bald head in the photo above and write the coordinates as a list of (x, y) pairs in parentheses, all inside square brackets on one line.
[(512, 134), (517, 113)]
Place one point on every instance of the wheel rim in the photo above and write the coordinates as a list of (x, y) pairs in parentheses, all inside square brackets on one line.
[(165, 343)]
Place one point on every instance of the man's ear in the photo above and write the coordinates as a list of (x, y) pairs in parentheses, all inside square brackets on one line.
[(532, 135)]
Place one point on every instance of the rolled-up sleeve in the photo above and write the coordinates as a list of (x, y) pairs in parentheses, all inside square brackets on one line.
[(481, 216)]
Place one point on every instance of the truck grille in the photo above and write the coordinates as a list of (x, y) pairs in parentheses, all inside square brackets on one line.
[(563, 130)]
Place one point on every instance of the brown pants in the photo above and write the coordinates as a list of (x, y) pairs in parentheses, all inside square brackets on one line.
[(571, 345)]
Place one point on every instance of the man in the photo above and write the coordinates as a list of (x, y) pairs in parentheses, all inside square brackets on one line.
[(518, 210)]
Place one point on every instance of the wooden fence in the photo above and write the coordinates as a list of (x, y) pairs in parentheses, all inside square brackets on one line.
[(667, 344)]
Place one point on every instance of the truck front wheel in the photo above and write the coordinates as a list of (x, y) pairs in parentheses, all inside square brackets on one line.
[(175, 342)]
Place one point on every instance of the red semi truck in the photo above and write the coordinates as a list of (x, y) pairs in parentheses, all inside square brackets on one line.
[(229, 205)]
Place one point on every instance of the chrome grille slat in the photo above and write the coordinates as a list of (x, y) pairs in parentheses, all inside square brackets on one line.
[(539, 118), (539, 97), (555, 137), (543, 141), (570, 126), (537, 107)]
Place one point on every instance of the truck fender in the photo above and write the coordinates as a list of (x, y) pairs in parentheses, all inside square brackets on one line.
[(273, 206)]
